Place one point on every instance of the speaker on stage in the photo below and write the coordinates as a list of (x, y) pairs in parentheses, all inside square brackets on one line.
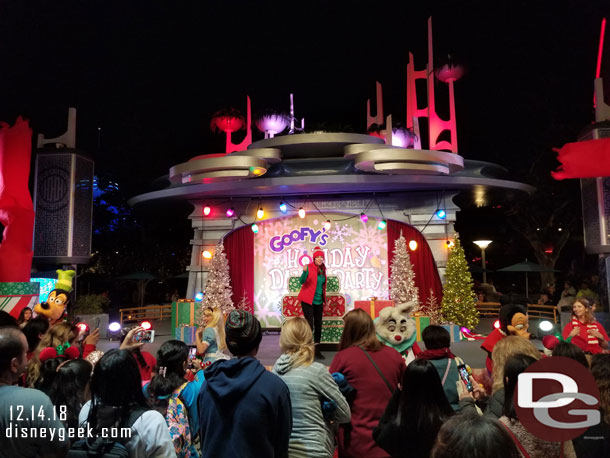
[(63, 201)]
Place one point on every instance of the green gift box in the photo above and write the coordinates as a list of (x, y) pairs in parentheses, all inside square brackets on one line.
[(421, 323), (331, 331), (184, 312), (294, 284), (332, 284)]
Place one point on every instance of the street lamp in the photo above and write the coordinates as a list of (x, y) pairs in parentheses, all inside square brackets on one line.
[(482, 244)]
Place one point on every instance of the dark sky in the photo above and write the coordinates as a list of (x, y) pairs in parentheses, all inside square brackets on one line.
[(151, 73)]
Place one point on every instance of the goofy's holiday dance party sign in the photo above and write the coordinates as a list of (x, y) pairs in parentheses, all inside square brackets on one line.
[(354, 251)]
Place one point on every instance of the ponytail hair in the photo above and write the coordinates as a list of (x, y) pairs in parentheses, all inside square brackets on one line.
[(296, 340)]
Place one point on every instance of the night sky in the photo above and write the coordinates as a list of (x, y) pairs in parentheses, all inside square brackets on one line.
[(151, 74)]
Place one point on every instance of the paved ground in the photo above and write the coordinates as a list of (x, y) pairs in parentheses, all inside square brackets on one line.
[(269, 350)]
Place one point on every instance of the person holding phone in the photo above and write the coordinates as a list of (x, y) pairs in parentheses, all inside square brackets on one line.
[(313, 295), (132, 341)]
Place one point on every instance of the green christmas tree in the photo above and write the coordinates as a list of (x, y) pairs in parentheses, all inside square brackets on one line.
[(458, 304), (402, 277), (218, 291)]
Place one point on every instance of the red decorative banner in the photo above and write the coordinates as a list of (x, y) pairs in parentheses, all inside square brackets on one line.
[(588, 159)]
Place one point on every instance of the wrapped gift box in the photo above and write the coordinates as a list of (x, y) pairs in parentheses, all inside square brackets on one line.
[(334, 306), (184, 312), (291, 306), (421, 323), (454, 332), (186, 334), (373, 307), (332, 284), (294, 284), (331, 331), (14, 296)]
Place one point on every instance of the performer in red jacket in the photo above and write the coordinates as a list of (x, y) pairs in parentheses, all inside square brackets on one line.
[(585, 332), (313, 295)]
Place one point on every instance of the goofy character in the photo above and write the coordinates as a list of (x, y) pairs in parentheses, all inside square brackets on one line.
[(54, 308)]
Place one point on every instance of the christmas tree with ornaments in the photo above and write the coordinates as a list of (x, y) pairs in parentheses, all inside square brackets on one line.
[(218, 291), (402, 276), (459, 300)]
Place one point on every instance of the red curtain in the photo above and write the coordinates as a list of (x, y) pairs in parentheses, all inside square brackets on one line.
[(426, 273), (239, 246)]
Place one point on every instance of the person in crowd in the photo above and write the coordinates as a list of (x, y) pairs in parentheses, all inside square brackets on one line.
[(553, 293), (472, 435), (309, 382), (16, 401), (571, 351), (493, 404), (244, 410), (585, 292), (24, 317), (70, 388), (545, 299), (169, 384), (584, 330), (437, 341), (374, 370), (7, 320), (567, 297), (526, 442), (146, 361), (313, 295), (595, 442), (210, 340), (414, 414), (34, 330), (117, 398), (57, 336)]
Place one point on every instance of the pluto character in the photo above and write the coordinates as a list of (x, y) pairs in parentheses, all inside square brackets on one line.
[(57, 302), (395, 328), (513, 322)]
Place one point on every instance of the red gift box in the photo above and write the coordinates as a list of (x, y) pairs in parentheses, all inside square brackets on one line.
[(291, 306), (334, 306), (373, 307)]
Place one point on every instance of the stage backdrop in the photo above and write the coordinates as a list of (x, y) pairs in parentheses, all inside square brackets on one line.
[(356, 252)]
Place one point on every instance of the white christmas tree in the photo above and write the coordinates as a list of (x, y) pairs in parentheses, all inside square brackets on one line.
[(402, 277), (218, 289), (433, 309)]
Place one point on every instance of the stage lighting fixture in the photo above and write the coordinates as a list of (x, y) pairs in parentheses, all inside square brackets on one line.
[(114, 326), (546, 326), (146, 325), (82, 326), (497, 324)]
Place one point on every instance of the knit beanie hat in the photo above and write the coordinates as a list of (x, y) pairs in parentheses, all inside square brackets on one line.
[(242, 332), (317, 251)]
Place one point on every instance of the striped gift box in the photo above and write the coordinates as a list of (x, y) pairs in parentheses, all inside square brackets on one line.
[(14, 296)]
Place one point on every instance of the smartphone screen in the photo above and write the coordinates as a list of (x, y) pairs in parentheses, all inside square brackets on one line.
[(145, 336), (192, 352), (465, 376)]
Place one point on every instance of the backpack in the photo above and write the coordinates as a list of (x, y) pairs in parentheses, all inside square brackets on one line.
[(99, 447), (177, 419)]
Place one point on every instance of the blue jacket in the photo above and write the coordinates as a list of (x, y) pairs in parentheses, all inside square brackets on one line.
[(244, 410)]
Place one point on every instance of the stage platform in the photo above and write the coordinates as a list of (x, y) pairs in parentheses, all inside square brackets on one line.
[(269, 351)]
